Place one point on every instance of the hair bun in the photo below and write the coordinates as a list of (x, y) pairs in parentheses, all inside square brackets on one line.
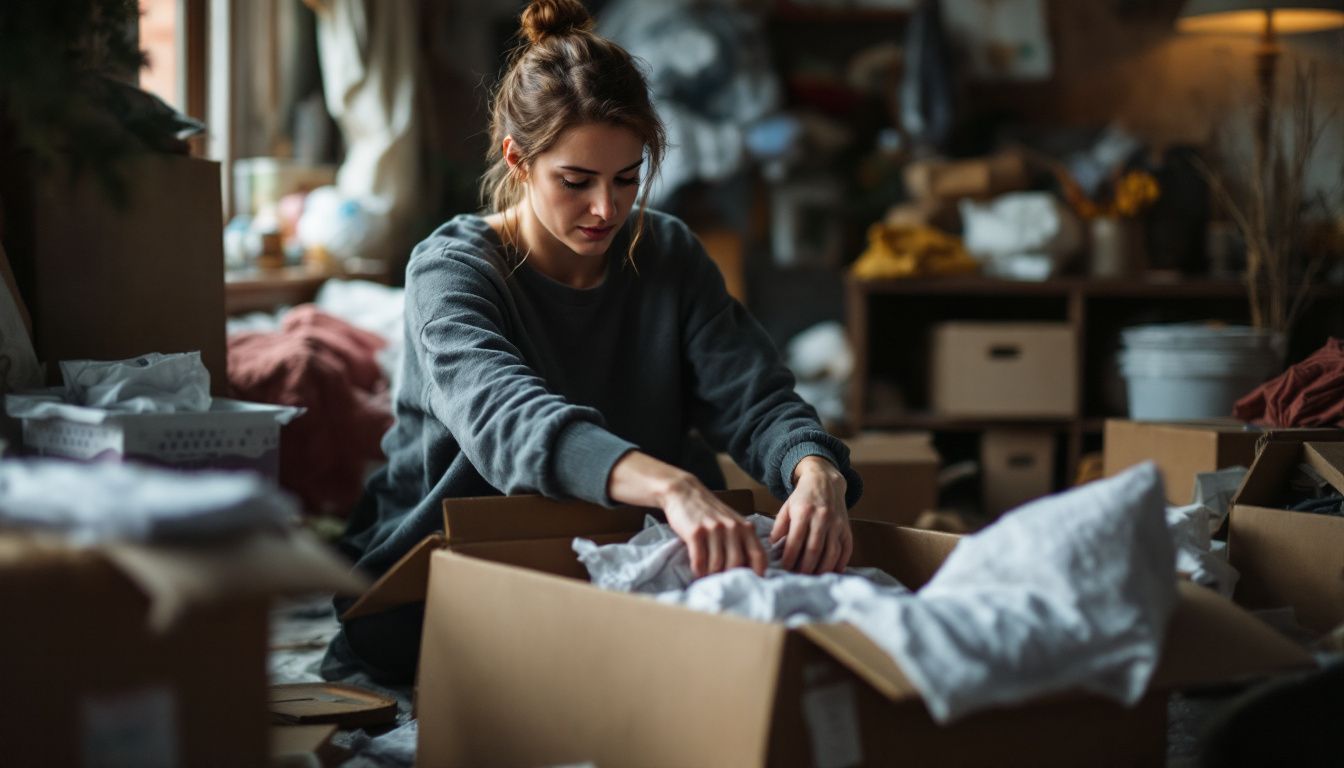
[(552, 18)]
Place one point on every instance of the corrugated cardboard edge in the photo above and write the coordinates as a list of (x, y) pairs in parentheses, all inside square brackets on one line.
[(1328, 459), (474, 525), (259, 564), (1211, 641), (403, 583), (855, 650), (506, 518)]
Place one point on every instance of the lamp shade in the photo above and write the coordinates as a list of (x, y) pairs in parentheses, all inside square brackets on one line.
[(1248, 16)]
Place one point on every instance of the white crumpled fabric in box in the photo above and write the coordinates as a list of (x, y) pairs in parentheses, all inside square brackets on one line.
[(151, 383), (1071, 591)]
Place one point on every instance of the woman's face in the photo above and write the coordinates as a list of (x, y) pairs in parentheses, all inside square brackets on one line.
[(582, 189)]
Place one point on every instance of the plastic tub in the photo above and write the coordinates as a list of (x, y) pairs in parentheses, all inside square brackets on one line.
[(1191, 371)]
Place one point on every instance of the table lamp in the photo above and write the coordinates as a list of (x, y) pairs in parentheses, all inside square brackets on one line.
[(1268, 19)]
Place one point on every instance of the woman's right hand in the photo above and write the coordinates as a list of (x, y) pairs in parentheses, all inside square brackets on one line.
[(716, 537)]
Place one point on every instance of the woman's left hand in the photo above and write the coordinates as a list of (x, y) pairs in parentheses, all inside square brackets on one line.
[(814, 520)]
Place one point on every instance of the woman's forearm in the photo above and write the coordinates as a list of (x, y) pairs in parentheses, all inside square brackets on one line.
[(643, 481)]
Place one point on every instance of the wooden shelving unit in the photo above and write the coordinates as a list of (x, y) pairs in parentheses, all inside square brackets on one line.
[(889, 321)]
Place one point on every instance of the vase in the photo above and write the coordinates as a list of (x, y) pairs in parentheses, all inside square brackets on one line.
[(1115, 247)]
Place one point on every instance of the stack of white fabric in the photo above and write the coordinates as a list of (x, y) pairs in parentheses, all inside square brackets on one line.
[(103, 501), (1073, 591)]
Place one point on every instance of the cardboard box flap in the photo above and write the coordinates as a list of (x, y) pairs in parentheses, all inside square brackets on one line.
[(507, 518), (404, 582), (263, 563), (1210, 641), (1261, 484), (554, 556), (910, 555), (852, 648), (1327, 459)]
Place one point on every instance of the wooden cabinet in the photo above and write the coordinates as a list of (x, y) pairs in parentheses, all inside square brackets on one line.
[(890, 324)]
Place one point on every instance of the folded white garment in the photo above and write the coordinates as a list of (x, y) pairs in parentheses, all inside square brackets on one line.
[(98, 501), (151, 383), (1071, 591)]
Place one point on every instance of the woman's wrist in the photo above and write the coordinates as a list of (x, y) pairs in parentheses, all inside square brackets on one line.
[(639, 479), (815, 464)]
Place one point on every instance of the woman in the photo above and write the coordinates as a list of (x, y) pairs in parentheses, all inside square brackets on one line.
[(562, 346)]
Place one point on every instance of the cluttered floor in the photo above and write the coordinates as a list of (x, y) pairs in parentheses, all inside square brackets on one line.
[(1084, 619)]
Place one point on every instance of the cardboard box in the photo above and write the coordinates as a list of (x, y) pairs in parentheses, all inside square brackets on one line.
[(899, 471), (1286, 558), (1016, 466), (523, 663), (88, 678), (1020, 370), (111, 281), (231, 435), (1186, 448)]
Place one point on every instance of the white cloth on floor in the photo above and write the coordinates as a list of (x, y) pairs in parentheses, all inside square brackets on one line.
[(98, 501), (1071, 591), (151, 383)]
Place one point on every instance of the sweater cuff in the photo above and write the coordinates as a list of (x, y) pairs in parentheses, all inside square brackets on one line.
[(853, 483), (799, 452), (583, 457)]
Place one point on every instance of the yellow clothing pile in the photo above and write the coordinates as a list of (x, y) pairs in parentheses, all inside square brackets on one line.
[(904, 251)]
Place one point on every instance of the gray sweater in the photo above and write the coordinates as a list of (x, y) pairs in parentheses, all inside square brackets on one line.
[(515, 383)]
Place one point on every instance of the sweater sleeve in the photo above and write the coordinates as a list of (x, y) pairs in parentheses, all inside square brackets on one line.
[(520, 436), (744, 398)]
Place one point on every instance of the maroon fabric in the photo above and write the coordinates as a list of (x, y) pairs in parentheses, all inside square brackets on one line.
[(328, 366), (1309, 394)]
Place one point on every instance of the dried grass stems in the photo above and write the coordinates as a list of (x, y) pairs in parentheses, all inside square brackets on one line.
[(1271, 208)]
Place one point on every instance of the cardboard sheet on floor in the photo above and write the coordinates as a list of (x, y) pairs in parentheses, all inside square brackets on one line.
[(1286, 558), (510, 648)]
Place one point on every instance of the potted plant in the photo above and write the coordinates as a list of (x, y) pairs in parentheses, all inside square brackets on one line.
[(1271, 209)]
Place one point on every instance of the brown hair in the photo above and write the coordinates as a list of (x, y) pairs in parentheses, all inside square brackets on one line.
[(564, 76)]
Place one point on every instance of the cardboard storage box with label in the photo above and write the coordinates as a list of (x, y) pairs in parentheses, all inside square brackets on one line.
[(1017, 466), (91, 677), (1184, 449), (1286, 558), (899, 471), (524, 663), (1019, 370)]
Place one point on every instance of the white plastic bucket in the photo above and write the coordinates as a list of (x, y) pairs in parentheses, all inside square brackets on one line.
[(1194, 371)]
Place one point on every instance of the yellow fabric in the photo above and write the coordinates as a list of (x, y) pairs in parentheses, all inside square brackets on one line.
[(911, 252)]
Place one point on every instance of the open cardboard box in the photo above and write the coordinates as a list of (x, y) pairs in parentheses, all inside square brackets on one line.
[(88, 679), (524, 663), (1183, 449), (1287, 558)]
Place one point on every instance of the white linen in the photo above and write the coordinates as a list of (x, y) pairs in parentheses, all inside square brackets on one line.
[(1071, 591), (100, 501), (150, 383)]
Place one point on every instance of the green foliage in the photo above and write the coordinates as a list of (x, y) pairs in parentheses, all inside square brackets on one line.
[(55, 60)]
